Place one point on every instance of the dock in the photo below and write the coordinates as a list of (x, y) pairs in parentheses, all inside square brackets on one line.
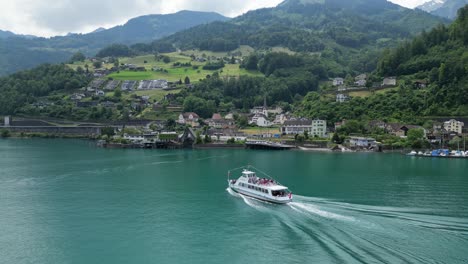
[(267, 145)]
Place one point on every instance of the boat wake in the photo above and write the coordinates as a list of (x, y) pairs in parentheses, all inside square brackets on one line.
[(365, 233)]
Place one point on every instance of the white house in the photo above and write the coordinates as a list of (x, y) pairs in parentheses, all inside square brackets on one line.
[(260, 120), (280, 119), (341, 98), (360, 83), (389, 81), (338, 81), (299, 126), (454, 126), (189, 118), (100, 93), (319, 128), (362, 142), (259, 110)]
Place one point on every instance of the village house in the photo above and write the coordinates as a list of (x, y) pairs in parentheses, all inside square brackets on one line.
[(280, 119), (338, 81), (189, 118), (100, 93), (77, 96), (360, 80), (400, 130), (259, 110), (362, 142), (260, 120), (420, 84), (319, 128), (296, 126), (453, 125), (229, 116), (218, 122), (395, 129), (153, 84), (389, 81), (128, 85), (341, 98)]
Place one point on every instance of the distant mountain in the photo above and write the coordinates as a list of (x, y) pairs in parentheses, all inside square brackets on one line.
[(6, 34), (431, 5), (19, 53), (450, 8), (443, 8), (98, 30)]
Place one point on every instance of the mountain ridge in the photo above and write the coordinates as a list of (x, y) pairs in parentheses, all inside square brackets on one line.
[(17, 53)]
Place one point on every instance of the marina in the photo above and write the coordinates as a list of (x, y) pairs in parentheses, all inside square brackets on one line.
[(440, 153)]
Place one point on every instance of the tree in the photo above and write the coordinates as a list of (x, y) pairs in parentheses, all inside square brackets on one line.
[(187, 80), (5, 133), (416, 138), (78, 56), (336, 138), (97, 64), (118, 93), (109, 131), (166, 59), (170, 124)]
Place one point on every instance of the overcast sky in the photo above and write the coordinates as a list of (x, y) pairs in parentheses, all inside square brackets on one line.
[(58, 17)]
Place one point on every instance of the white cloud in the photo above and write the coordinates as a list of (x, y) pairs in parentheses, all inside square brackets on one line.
[(58, 17)]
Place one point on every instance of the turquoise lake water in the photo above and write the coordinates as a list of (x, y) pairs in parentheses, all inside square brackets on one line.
[(67, 201)]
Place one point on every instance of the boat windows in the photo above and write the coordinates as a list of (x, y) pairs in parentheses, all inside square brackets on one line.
[(280, 193)]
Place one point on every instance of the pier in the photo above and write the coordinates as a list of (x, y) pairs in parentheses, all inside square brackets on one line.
[(267, 145)]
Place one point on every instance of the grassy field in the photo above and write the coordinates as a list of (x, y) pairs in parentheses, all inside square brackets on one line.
[(260, 130), (173, 73), (369, 93)]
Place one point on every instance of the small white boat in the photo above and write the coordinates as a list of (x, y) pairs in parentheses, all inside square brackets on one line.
[(412, 153), (265, 189)]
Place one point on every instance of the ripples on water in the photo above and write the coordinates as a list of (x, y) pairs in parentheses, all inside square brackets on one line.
[(363, 233)]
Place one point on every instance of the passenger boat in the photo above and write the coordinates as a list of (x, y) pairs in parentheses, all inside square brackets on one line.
[(265, 189)]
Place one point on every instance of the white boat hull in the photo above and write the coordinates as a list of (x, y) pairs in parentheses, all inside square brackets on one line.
[(259, 196)]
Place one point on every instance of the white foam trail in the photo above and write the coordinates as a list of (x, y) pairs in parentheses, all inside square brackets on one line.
[(311, 209), (166, 162), (212, 157), (231, 192)]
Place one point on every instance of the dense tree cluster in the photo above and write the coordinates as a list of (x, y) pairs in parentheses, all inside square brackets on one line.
[(24, 87)]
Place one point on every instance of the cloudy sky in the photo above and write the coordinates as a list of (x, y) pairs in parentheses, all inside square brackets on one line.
[(58, 17)]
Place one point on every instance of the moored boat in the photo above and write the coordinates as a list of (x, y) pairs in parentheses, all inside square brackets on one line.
[(265, 189)]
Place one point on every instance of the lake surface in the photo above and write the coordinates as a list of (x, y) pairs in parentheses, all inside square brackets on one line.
[(66, 201)]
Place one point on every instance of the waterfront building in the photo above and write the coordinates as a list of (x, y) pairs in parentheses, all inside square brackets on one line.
[(454, 126), (319, 128), (362, 142), (297, 126)]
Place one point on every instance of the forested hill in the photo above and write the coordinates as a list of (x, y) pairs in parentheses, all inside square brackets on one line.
[(438, 58), (310, 25), (17, 53), (342, 31)]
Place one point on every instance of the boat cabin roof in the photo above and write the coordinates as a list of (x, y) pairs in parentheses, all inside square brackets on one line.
[(277, 188), (247, 172)]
